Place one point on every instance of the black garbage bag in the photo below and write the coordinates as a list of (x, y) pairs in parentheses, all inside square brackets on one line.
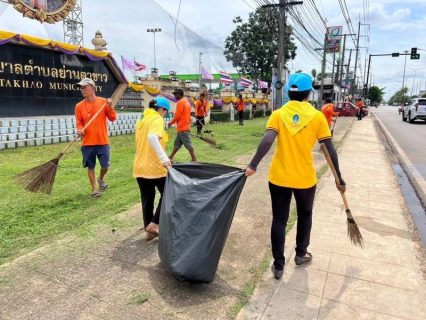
[(199, 203)]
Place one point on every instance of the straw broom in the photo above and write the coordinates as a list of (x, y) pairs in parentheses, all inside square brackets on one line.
[(42, 178), (332, 129), (353, 231), (207, 140), (207, 130)]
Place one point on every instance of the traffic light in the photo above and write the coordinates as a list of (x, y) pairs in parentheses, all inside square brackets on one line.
[(414, 54)]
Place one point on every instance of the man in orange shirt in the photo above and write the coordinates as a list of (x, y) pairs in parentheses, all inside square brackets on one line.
[(240, 108), (95, 143), (200, 112), (183, 119), (360, 107), (328, 111)]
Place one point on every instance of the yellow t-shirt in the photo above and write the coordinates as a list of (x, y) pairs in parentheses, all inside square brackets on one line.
[(147, 163), (293, 162)]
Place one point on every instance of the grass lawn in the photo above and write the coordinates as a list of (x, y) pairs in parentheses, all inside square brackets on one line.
[(29, 220)]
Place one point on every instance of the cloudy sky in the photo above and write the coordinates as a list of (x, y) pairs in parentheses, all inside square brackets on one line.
[(394, 26)]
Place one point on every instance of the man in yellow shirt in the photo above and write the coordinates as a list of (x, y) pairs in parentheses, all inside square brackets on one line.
[(298, 126), (151, 162)]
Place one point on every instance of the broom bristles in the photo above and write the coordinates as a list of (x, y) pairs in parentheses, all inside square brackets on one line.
[(39, 179), (354, 233), (208, 140)]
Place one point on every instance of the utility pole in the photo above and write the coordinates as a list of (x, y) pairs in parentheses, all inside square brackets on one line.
[(403, 77), (357, 50), (324, 57), (334, 65), (281, 79), (281, 52), (347, 69), (342, 60)]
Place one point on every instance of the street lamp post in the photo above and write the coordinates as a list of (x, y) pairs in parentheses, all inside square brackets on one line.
[(155, 30), (414, 80), (199, 71)]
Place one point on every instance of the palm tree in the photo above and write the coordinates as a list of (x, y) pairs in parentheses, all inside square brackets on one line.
[(314, 74)]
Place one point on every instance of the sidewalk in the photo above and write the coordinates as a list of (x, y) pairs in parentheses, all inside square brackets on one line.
[(381, 281)]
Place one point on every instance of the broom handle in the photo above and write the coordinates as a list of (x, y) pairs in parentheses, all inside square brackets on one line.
[(203, 125), (330, 163), (335, 120), (85, 127)]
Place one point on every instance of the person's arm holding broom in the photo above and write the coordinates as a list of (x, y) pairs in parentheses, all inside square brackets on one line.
[(109, 111)]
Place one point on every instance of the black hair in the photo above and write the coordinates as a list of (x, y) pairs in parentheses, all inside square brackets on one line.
[(153, 105), (298, 95), (240, 96)]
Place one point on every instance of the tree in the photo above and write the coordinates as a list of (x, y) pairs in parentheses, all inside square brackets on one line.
[(399, 97), (314, 74), (253, 46), (375, 94)]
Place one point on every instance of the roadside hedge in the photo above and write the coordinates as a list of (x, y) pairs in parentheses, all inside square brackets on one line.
[(216, 116)]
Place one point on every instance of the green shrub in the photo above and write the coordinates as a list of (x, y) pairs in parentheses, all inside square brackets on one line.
[(219, 116)]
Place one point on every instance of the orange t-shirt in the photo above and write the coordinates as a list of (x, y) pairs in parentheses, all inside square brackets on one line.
[(240, 105), (201, 108), (360, 104), (182, 115), (328, 111), (96, 134)]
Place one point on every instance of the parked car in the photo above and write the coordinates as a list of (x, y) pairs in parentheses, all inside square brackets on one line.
[(416, 110), (348, 109)]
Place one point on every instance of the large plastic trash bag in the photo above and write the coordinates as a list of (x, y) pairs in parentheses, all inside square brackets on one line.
[(199, 203)]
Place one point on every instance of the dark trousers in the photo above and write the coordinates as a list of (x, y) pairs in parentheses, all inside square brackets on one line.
[(241, 116), (147, 189), (200, 124), (281, 198), (360, 114)]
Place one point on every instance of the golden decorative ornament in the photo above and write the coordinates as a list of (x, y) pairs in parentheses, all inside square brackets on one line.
[(49, 11)]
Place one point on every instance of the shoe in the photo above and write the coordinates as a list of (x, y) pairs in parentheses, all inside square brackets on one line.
[(103, 185), (302, 260), (277, 273)]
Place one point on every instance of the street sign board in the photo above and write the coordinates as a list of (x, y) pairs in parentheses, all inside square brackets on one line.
[(335, 32), (334, 35)]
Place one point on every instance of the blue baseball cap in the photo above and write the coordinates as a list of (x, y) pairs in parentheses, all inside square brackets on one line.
[(163, 103), (300, 82)]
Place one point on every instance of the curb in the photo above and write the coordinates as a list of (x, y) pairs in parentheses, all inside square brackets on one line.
[(414, 175)]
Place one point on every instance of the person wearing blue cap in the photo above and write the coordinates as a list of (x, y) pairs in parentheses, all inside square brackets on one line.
[(151, 162), (298, 126)]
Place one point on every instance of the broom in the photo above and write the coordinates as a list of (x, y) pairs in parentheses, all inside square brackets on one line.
[(332, 129), (353, 231), (207, 130), (207, 140), (42, 178)]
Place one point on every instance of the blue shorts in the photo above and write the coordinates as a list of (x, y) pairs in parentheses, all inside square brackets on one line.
[(91, 152)]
